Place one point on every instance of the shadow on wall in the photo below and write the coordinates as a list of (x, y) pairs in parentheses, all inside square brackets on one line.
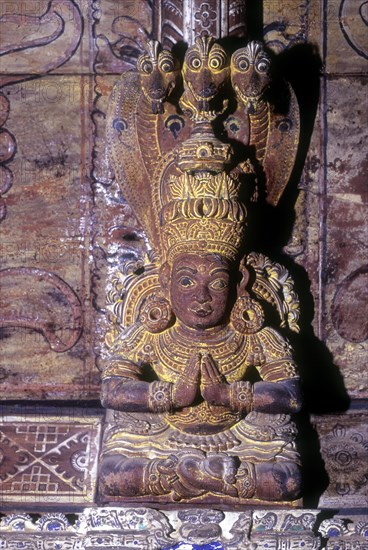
[(323, 386), (271, 228)]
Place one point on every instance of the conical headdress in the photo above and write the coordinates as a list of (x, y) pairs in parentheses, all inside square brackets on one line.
[(200, 209)]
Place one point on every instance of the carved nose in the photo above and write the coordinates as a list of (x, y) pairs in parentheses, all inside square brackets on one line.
[(254, 85), (203, 295)]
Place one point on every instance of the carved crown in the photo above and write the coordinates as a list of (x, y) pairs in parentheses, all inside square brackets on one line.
[(202, 213)]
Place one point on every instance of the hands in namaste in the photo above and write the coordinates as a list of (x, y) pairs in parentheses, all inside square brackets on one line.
[(201, 378)]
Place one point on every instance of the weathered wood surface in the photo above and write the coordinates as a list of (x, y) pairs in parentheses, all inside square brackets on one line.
[(62, 216)]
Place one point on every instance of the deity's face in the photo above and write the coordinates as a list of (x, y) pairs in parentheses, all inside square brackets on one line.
[(199, 289)]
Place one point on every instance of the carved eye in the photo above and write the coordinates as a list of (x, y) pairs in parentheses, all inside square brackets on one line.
[(217, 61), (194, 62), (242, 64), (166, 64), (145, 65), (263, 65), (218, 284), (186, 282)]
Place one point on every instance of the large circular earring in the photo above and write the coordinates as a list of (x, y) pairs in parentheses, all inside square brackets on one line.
[(247, 315), (156, 314)]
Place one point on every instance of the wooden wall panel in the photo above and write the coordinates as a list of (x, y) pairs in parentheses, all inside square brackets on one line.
[(48, 457), (66, 218)]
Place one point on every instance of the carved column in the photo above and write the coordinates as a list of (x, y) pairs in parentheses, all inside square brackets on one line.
[(177, 20)]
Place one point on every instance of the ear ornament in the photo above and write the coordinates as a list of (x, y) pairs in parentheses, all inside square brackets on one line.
[(156, 314), (247, 315)]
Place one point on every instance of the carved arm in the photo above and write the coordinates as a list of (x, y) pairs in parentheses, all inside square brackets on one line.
[(277, 397), (278, 392), (123, 391), (125, 394), (282, 396)]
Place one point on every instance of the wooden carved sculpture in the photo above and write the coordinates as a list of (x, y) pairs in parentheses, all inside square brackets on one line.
[(189, 421)]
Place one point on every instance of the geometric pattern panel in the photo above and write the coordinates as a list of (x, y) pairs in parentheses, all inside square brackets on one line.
[(48, 460), (344, 449)]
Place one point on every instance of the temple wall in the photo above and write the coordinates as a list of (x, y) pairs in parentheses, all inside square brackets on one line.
[(65, 227)]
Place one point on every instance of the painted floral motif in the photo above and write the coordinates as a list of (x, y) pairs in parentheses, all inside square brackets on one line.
[(205, 15)]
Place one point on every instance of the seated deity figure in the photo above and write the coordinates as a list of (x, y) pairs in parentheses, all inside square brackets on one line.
[(214, 434), (199, 387)]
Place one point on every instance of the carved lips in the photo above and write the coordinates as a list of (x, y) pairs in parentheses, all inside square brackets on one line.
[(202, 311)]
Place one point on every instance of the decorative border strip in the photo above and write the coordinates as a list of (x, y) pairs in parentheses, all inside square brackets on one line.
[(194, 529)]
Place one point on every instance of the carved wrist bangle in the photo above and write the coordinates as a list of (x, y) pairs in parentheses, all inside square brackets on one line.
[(241, 397), (160, 396)]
